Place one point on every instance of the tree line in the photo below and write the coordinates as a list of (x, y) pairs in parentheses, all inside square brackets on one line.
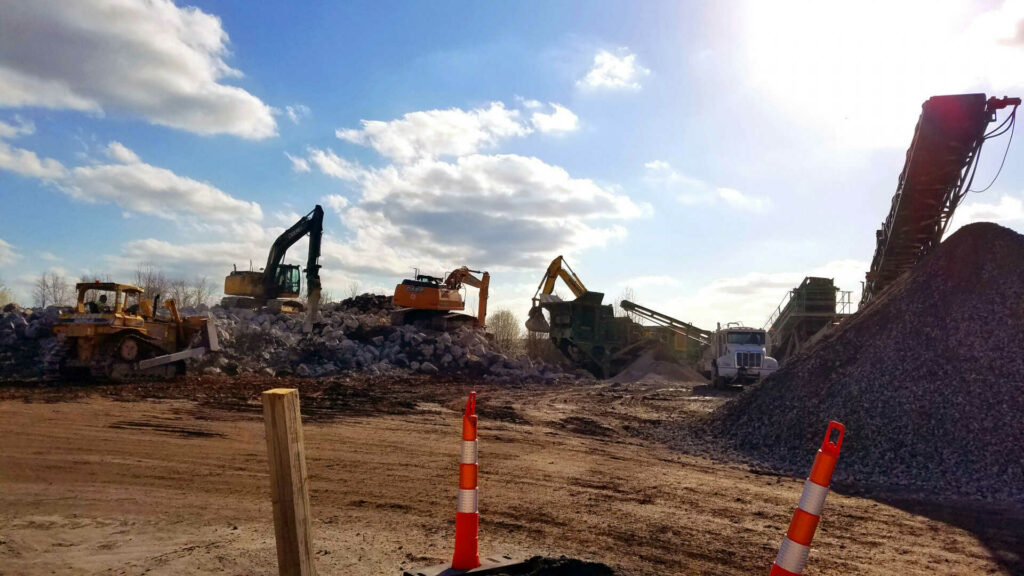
[(55, 289)]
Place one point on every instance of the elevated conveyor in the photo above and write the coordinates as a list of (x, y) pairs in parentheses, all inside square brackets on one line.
[(936, 176)]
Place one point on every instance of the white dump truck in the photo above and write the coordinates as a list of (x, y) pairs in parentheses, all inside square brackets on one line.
[(737, 355)]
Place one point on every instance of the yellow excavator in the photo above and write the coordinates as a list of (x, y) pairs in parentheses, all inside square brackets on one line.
[(558, 268), (431, 301), (273, 286)]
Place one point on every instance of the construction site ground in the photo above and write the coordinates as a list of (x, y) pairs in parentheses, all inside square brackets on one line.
[(171, 478)]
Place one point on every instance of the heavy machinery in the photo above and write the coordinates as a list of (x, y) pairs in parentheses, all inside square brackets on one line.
[(938, 173), (736, 354), (682, 339), (273, 285), (558, 268), (586, 331), (810, 309), (113, 332), (432, 302)]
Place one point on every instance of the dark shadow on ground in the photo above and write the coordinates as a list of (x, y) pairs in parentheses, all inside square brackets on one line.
[(998, 526)]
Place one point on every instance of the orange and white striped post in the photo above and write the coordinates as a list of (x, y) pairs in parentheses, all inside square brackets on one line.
[(797, 543), (467, 515)]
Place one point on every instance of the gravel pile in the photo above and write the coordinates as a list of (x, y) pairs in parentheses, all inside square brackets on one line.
[(353, 335), (929, 381)]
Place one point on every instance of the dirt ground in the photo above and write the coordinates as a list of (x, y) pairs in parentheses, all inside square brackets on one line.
[(171, 478)]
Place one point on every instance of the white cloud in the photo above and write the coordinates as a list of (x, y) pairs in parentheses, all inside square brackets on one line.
[(437, 133), (299, 164), (505, 209), (151, 60), (21, 127), (120, 153), (139, 187), (49, 256), (694, 191), (332, 165), (615, 72), (561, 120), (8, 255), (297, 112), (336, 202), (26, 163), (736, 199), (662, 174), (1009, 211)]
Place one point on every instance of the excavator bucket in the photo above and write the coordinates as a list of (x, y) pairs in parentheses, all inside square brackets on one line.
[(536, 322)]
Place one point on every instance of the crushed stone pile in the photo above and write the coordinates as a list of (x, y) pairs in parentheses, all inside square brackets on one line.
[(929, 381), (352, 335), (649, 368)]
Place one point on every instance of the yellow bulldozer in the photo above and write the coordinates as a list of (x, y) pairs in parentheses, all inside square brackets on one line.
[(114, 332)]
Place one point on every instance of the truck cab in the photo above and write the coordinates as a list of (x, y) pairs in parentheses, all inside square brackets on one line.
[(737, 355)]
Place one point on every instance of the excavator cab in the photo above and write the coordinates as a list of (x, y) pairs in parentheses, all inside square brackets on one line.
[(288, 281)]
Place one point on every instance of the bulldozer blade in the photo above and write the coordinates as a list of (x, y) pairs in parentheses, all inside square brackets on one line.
[(536, 321)]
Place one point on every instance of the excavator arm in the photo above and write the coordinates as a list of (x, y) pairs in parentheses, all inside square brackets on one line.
[(312, 224), (558, 268), (464, 275)]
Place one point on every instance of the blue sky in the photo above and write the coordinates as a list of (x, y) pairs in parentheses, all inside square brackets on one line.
[(707, 155)]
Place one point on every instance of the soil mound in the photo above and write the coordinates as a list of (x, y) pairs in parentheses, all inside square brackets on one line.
[(928, 379), (649, 367)]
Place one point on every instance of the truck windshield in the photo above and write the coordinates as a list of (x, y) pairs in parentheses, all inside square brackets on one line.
[(750, 338)]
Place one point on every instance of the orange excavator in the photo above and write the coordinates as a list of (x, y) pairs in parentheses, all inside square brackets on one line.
[(431, 302)]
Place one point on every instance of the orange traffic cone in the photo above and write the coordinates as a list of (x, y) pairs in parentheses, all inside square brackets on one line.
[(467, 516), (796, 544)]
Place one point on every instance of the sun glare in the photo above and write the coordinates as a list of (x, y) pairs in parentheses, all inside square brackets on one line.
[(861, 70)]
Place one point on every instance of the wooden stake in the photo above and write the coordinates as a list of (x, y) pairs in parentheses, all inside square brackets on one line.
[(288, 483)]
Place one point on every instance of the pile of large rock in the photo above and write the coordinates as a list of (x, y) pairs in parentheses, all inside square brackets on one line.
[(356, 334), (929, 381), (18, 324)]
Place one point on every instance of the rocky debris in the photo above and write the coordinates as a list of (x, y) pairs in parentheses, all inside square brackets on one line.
[(356, 334), (353, 335), (929, 381), (26, 338)]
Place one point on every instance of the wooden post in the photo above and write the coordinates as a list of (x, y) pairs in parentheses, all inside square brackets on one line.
[(288, 483)]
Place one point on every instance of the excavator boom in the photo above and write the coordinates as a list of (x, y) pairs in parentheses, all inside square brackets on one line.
[(278, 280), (558, 268)]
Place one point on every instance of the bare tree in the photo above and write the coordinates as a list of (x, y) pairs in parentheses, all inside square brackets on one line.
[(202, 291), (151, 281), (6, 295), (353, 289), (177, 289), (508, 336), (51, 289), (626, 294)]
